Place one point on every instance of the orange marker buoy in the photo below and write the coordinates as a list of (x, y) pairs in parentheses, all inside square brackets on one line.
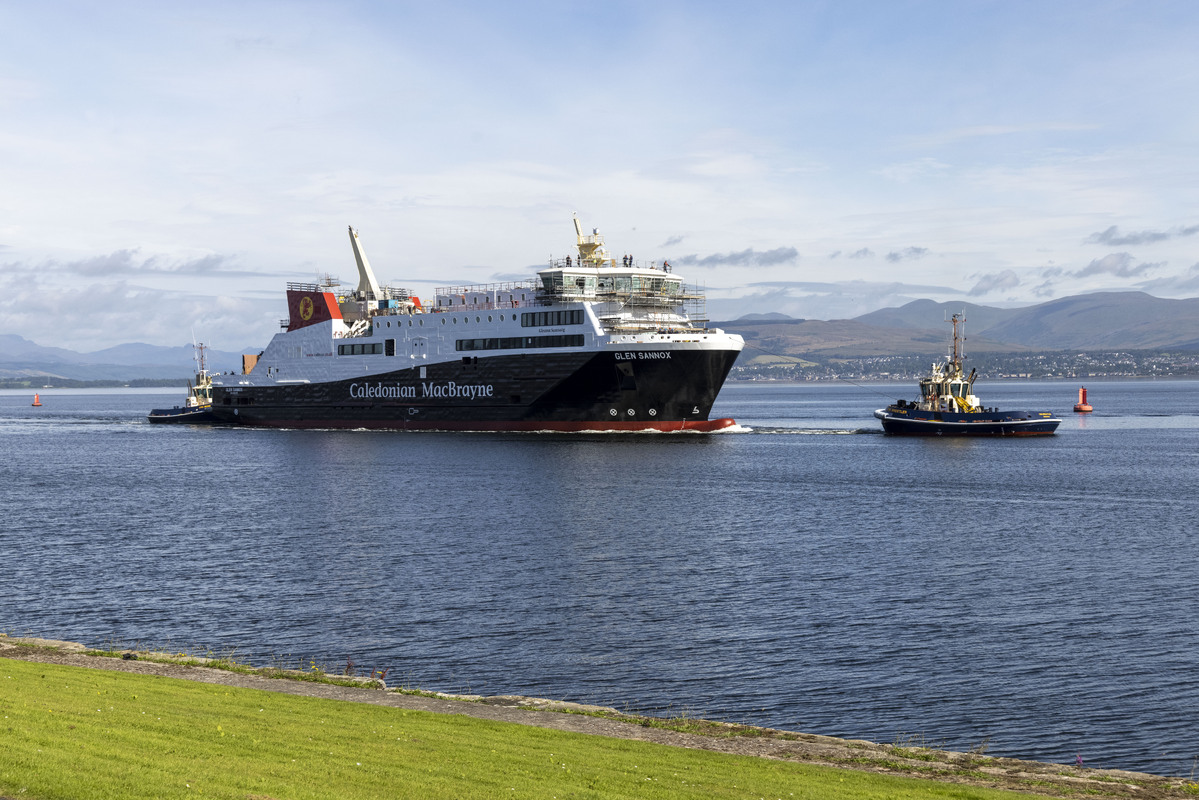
[(36, 400), (1082, 406)]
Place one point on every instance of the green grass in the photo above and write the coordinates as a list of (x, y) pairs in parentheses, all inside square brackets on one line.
[(70, 732)]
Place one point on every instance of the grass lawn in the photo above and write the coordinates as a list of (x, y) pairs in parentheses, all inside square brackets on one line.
[(71, 732)]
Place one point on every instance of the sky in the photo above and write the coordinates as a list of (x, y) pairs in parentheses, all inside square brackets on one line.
[(166, 168)]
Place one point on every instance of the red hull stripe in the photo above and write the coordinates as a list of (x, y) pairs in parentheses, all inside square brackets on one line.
[(697, 426)]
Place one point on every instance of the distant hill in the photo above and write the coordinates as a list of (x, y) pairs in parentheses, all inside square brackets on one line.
[(845, 337), (1102, 321), (1099, 321), (20, 358), (13, 347), (926, 314), (768, 316)]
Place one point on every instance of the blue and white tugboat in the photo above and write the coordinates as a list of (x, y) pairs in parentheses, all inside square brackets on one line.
[(949, 407)]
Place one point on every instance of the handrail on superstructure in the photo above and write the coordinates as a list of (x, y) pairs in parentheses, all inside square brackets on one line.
[(488, 306), (506, 286), (608, 263)]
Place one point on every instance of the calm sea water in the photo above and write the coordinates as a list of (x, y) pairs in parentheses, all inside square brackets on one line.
[(1039, 595)]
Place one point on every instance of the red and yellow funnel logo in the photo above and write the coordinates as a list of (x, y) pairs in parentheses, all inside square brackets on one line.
[(310, 306)]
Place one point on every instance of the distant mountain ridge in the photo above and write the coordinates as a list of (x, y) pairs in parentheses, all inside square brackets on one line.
[(1100, 321), (21, 358), (929, 315)]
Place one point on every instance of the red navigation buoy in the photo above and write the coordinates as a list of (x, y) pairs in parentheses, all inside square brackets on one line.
[(1082, 406), (36, 400)]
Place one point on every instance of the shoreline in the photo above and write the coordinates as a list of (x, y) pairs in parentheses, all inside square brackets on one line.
[(906, 759)]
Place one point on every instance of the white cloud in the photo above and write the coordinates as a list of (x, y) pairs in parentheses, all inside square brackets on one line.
[(1113, 238), (957, 135), (995, 282), (819, 300), (143, 314), (911, 170), (1121, 265), (747, 257), (1186, 283), (907, 253)]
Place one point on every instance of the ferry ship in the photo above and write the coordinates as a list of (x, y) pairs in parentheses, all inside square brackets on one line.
[(949, 407), (590, 344)]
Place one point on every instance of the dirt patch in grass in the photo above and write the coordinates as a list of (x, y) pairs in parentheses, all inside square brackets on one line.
[(974, 769)]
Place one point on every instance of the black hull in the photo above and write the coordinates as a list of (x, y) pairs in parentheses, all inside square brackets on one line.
[(665, 390), (182, 416), (914, 422)]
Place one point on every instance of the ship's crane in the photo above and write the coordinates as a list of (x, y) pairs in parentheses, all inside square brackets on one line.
[(591, 247), (368, 287)]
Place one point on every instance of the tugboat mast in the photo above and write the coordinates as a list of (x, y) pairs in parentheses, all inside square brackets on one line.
[(957, 342)]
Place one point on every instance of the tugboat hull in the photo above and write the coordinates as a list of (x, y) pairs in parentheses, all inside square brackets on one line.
[(915, 422), (188, 415)]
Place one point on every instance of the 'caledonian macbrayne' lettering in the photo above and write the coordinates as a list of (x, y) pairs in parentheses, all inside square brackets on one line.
[(449, 389)]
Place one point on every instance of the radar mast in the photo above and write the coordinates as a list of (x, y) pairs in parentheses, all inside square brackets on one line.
[(591, 247)]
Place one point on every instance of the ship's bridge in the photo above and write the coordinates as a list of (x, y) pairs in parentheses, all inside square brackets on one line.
[(608, 283), (625, 296)]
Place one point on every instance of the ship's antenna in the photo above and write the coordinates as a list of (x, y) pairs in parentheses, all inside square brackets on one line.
[(197, 354), (959, 341)]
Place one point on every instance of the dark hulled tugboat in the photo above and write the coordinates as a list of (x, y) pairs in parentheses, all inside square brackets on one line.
[(949, 407), (197, 408)]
